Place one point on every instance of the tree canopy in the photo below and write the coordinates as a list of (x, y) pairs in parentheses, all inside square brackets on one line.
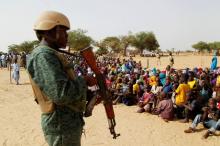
[(102, 49), (127, 40), (112, 43), (26, 46), (204, 46), (214, 45), (145, 40), (78, 39)]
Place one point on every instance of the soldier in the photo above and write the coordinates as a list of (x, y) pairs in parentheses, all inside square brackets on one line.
[(60, 94)]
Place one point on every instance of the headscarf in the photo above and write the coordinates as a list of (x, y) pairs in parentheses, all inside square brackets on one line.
[(162, 77)]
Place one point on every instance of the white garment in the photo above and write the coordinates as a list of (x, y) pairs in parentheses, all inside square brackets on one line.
[(156, 89), (15, 67), (3, 57), (214, 94)]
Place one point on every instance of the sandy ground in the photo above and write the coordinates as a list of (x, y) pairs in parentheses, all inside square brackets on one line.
[(20, 119), (180, 61)]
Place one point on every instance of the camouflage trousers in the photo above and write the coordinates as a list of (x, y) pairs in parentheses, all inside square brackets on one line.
[(64, 140), (63, 127)]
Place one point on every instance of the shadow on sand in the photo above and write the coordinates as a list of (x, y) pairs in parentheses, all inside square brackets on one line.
[(27, 83)]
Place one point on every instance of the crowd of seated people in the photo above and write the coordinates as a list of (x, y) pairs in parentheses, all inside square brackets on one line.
[(184, 95)]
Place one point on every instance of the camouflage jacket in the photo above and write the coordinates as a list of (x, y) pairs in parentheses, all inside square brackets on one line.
[(48, 73)]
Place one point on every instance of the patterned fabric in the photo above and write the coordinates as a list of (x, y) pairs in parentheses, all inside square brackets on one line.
[(63, 140), (69, 95)]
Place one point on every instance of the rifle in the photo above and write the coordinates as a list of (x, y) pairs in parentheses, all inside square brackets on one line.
[(104, 93)]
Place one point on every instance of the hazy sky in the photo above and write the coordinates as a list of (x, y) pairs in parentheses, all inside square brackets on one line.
[(176, 23)]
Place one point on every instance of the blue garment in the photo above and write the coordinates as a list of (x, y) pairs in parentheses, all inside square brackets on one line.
[(214, 63), (128, 66), (124, 68), (154, 71), (211, 124), (168, 88), (162, 77)]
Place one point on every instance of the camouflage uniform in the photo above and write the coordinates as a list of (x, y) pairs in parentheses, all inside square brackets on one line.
[(62, 127)]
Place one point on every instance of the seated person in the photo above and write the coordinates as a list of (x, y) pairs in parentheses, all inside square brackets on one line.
[(156, 90), (210, 119), (168, 87), (165, 108), (146, 102), (181, 98), (192, 107), (191, 80)]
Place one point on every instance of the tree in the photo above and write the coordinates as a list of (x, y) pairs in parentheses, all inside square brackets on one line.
[(79, 40), (26, 46), (201, 46), (126, 41), (145, 40), (102, 48), (214, 45), (113, 43), (13, 48)]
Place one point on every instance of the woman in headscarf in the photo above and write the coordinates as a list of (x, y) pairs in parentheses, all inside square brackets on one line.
[(214, 62)]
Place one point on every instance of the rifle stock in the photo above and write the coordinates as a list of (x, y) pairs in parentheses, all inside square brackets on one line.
[(104, 93)]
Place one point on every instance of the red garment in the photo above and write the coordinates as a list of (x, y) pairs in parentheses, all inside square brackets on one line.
[(108, 83), (218, 105)]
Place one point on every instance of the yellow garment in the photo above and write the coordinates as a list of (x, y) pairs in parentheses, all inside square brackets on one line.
[(152, 81), (218, 81), (191, 84), (181, 93), (135, 88)]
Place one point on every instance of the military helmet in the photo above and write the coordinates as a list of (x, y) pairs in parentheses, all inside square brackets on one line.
[(50, 19)]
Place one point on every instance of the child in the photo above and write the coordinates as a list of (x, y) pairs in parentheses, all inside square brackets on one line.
[(165, 108), (210, 119), (16, 69), (146, 102)]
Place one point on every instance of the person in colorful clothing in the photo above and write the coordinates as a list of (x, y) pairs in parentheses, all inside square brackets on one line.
[(60, 94), (181, 97)]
